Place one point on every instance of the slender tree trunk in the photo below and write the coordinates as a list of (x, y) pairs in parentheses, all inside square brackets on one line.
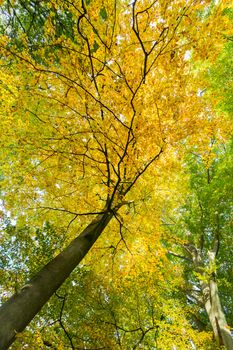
[(211, 296), (216, 315), (20, 309)]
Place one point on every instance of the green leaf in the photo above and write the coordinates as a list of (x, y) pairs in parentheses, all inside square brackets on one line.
[(95, 47), (228, 12), (103, 14)]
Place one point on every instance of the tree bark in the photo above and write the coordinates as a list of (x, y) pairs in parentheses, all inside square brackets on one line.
[(216, 315), (21, 308), (210, 294)]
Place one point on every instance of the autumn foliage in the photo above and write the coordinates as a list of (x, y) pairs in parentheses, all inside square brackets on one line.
[(103, 105)]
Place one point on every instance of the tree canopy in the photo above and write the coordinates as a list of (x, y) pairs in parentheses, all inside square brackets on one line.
[(116, 165)]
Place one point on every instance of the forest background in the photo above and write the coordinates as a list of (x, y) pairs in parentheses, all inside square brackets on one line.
[(116, 174)]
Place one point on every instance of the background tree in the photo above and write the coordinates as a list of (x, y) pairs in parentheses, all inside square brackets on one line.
[(204, 231), (130, 303)]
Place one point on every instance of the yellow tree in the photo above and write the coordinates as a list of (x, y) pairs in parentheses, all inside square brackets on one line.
[(87, 111)]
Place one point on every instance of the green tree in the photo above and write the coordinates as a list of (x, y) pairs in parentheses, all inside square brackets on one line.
[(205, 228)]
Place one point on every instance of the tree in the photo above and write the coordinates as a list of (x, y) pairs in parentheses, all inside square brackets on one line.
[(205, 228), (128, 303), (80, 108), (204, 223)]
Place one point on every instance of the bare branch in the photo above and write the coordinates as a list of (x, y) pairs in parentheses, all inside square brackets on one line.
[(178, 256)]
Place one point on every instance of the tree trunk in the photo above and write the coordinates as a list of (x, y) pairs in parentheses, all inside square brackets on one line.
[(211, 296), (216, 315), (20, 309)]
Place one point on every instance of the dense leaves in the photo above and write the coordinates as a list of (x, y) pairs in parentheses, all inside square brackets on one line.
[(109, 107)]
